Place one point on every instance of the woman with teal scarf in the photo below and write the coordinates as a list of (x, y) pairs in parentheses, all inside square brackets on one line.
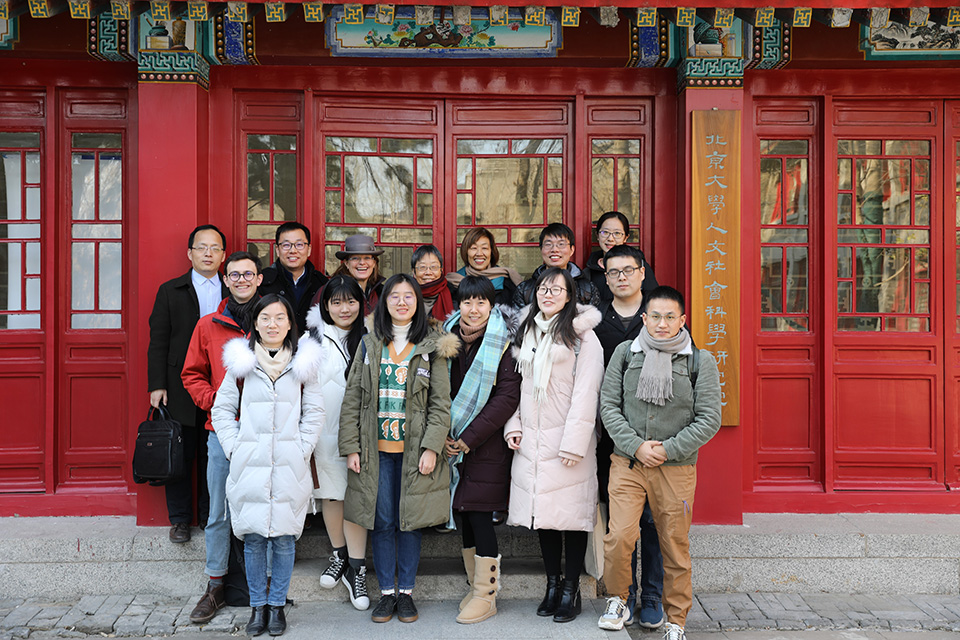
[(485, 389)]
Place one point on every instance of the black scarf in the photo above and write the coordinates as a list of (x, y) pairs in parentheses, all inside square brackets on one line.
[(241, 311)]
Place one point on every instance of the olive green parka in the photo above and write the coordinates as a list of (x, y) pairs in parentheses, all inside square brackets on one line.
[(424, 499)]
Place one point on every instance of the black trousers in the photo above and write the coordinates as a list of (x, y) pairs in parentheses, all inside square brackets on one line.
[(551, 548), (478, 532), (179, 493)]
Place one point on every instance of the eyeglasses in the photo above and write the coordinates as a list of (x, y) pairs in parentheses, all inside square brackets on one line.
[(428, 268), (246, 275), (655, 318), (358, 259), (202, 248), (299, 245), (616, 235), (614, 274), (552, 291), (562, 245), (394, 298)]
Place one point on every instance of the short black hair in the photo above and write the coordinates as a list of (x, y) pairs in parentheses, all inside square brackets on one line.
[(624, 251), (206, 227), (422, 252), (557, 230), (237, 256), (563, 330), (383, 323), (476, 287), (344, 288), (664, 292), (290, 341), (614, 214), (292, 226)]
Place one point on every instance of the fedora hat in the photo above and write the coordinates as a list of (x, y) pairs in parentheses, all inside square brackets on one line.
[(358, 245)]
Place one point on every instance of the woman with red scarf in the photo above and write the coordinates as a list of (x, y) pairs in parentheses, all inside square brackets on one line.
[(427, 266)]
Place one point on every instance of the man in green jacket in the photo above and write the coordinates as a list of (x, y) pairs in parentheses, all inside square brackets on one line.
[(660, 402)]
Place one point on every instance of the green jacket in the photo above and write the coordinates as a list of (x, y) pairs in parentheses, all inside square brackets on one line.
[(682, 424), (424, 499)]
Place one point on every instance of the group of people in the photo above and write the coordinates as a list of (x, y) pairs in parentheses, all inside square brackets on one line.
[(390, 405)]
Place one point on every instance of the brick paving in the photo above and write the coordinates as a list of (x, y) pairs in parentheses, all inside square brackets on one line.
[(126, 616)]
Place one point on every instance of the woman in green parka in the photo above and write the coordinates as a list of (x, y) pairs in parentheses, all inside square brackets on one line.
[(393, 426)]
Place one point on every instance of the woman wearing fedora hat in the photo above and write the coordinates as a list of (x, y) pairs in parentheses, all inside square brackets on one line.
[(360, 260)]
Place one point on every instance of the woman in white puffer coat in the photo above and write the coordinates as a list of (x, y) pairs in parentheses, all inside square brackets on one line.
[(271, 383), (337, 323)]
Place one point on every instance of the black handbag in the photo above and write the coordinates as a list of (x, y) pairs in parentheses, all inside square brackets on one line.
[(158, 453)]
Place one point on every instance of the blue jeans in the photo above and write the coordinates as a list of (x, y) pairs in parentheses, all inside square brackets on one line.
[(396, 553), (217, 533), (651, 562), (255, 555)]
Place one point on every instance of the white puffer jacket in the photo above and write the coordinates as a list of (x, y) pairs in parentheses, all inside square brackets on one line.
[(269, 484), (331, 466)]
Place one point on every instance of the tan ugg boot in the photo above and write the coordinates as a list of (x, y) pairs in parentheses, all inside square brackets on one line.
[(469, 562), (486, 583)]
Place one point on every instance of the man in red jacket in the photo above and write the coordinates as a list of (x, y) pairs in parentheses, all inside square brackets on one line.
[(203, 371)]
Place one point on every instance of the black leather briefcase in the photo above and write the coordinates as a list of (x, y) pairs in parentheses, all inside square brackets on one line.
[(158, 453)]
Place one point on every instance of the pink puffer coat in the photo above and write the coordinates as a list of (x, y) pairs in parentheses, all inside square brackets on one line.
[(545, 493)]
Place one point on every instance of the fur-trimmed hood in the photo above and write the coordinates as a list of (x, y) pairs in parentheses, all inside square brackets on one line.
[(448, 344), (588, 316), (240, 360)]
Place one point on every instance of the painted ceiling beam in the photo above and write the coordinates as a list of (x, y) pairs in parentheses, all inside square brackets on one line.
[(166, 10), (275, 11), (88, 9), (837, 18), (13, 8), (778, 5), (47, 8)]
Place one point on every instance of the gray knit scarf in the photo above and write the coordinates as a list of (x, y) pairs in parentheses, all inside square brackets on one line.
[(656, 377)]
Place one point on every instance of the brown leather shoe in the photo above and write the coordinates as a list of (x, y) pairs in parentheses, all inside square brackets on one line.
[(211, 602), (180, 533)]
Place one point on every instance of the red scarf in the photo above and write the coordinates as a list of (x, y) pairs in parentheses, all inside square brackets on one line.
[(444, 304)]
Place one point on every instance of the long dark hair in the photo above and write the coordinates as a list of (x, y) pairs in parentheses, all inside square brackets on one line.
[(290, 341), (383, 323), (344, 288), (563, 331)]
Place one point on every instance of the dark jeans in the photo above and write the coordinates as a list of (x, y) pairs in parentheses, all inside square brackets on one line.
[(179, 493), (396, 553), (651, 562)]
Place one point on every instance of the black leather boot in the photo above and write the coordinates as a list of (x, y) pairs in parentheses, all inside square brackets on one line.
[(570, 605), (258, 621), (551, 598), (278, 621)]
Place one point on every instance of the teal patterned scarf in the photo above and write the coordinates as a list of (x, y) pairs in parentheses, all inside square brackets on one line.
[(475, 389)]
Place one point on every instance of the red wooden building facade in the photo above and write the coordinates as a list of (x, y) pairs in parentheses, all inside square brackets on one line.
[(849, 229)]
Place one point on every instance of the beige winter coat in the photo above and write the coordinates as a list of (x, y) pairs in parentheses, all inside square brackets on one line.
[(545, 493)]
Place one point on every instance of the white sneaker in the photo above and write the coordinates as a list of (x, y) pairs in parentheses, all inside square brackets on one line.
[(612, 619), (331, 576), (673, 632)]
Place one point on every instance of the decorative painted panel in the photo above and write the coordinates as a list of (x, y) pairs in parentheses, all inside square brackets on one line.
[(897, 41), (482, 38)]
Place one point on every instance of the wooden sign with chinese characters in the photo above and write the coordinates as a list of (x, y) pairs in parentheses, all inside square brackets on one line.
[(714, 307)]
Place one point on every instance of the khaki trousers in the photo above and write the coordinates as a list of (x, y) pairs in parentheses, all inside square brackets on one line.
[(670, 493)]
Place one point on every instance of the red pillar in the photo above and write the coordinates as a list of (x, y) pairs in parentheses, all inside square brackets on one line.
[(719, 498), (172, 197)]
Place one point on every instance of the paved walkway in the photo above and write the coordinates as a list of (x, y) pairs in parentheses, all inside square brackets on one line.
[(753, 616)]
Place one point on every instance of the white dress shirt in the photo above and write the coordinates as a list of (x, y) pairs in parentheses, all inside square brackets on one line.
[(208, 292)]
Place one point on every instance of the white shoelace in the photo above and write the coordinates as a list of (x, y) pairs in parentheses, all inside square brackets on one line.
[(673, 632)]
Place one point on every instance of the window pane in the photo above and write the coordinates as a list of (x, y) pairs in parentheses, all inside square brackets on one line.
[(33, 294), (360, 145), (554, 207), (628, 188), (795, 179), (378, 190), (33, 203), (95, 321), (783, 147), (616, 147), (532, 147), (340, 234), (10, 180), (262, 232), (778, 236), (510, 190), (333, 206), (554, 173), (33, 258), (602, 192), (82, 275), (486, 147), (844, 174), (97, 140), (96, 231), (83, 186), (465, 173), (770, 195), (771, 279), (395, 145), (33, 168), (921, 209), (907, 236), (259, 249), (19, 139), (424, 173), (10, 285), (921, 175), (465, 208), (271, 142), (334, 173), (411, 236), (111, 187), (795, 300), (258, 186), (858, 147), (844, 208), (111, 273), (907, 147), (523, 259), (424, 208), (844, 262), (285, 186)]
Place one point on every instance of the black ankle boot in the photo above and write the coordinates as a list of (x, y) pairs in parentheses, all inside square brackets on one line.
[(258, 620), (570, 605), (278, 621), (551, 598)]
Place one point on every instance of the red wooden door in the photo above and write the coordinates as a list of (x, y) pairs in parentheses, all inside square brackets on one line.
[(951, 276)]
